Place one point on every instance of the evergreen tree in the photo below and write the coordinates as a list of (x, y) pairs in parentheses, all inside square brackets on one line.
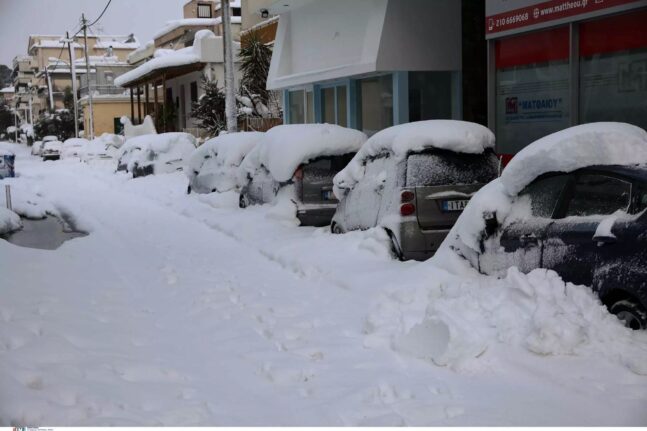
[(68, 98), (255, 59), (209, 110)]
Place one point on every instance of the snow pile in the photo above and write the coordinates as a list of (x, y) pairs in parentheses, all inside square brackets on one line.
[(574, 148), (214, 165), (458, 136), (146, 128), (455, 321), (286, 147), (166, 152), (202, 51), (9, 221), (73, 147), (27, 200)]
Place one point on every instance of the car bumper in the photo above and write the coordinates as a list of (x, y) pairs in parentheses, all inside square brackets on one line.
[(419, 244)]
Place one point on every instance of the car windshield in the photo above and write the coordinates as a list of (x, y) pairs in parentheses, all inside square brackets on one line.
[(440, 167)]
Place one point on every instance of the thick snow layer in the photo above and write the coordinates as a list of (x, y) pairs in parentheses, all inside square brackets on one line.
[(105, 146), (286, 147), (189, 55), (187, 22), (9, 221), (574, 148), (167, 151), (400, 140), (183, 310), (146, 128), (73, 147), (215, 163)]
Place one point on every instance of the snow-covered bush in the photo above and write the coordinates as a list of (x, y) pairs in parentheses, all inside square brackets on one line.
[(213, 166)]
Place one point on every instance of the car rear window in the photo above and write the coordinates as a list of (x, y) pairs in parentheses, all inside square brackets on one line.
[(332, 164), (448, 168)]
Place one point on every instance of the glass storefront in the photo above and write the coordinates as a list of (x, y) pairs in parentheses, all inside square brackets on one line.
[(532, 88), (613, 69), (375, 104), (431, 95)]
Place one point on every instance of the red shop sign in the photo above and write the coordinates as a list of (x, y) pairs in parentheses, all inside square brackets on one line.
[(546, 11)]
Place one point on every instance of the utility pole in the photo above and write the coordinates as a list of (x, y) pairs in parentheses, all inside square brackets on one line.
[(73, 70), (87, 74), (30, 89), (49, 90), (230, 97)]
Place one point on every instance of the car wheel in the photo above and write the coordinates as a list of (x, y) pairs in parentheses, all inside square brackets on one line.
[(336, 229), (632, 313), (243, 201)]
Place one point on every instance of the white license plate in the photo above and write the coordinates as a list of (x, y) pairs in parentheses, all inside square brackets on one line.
[(455, 205)]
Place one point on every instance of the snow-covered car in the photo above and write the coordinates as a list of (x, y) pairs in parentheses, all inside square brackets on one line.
[(213, 166), (574, 202), (414, 180), (104, 147), (301, 159), (36, 148), (156, 154), (7, 159), (73, 147), (52, 150)]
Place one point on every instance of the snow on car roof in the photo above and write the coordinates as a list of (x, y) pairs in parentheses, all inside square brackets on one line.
[(592, 144), (400, 140), (229, 149), (75, 142), (286, 147)]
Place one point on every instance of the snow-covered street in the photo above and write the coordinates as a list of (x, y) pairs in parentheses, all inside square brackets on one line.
[(183, 309)]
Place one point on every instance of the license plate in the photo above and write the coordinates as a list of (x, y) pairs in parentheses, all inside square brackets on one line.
[(327, 195), (455, 205)]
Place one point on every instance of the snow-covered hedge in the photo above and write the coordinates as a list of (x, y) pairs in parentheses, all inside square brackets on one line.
[(214, 165)]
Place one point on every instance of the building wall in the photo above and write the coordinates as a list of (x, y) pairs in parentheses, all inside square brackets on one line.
[(105, 113)]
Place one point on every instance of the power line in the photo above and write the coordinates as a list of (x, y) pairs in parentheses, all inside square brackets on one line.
[(104, 11)]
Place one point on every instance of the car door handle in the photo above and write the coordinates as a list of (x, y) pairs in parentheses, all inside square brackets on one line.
[(529, 238)]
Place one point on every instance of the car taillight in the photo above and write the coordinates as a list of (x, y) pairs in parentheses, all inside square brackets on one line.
[(298, 174), (407, 209), (407, 196)]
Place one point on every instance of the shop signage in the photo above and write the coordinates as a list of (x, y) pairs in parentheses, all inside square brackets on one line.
[(541, 12)]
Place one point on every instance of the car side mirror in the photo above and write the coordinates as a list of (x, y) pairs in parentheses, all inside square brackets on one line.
[(491, 223)]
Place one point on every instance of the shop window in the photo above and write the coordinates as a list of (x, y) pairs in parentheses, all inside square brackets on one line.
[(613, 69), (375, 104), (532, 87), (430, 95), (333, 105)]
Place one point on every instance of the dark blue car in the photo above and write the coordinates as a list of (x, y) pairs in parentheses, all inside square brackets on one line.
[(7, 165), (590, 226)]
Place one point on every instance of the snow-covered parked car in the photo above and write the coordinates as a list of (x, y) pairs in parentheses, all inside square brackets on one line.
[(105, 146), (301, 159), (156, 154), (414, 180), (213, 166), (73, 147), (52, 150), (7, 159), (573, 202)]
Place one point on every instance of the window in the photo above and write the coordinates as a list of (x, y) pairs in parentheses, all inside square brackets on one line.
[(598, 195), (375, 104), (532, 87), (310, 107), (235, 11), (194, 92), (297, 107), (438, 167), (333, 105), (431, 95), (544, 194), (204, 11), (109, 77), (613, 69)]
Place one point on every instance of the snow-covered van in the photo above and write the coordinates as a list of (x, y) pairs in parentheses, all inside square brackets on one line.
[(414, 180), (298, 162), (213, 166), (156, 154)]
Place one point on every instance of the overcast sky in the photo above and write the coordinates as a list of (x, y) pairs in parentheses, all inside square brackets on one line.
[(20, 18)]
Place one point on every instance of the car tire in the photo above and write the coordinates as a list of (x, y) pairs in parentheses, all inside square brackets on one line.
[(631, 312), (336, 229), (243, 201)]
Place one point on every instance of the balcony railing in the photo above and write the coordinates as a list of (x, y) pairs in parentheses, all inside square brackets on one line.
[(102, 90)]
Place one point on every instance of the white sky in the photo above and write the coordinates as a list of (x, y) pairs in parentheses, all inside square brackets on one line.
[(20, 18)]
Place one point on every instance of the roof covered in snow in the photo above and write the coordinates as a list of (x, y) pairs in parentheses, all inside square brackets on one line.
[(285, 147), (574, 148), (8, 90), (187, 22)]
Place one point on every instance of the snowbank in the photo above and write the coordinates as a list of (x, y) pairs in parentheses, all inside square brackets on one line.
[(574, 148), (400, 140), (454, 321), (285, 147), (9, 221), (214, 164)]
